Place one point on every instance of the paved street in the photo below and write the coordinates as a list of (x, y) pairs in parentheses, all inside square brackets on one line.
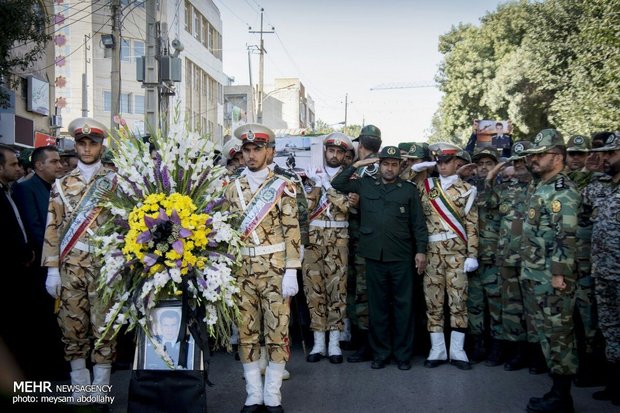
[(347, 388)]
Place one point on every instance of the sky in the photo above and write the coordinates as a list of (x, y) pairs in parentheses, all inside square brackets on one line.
[(346, 47)]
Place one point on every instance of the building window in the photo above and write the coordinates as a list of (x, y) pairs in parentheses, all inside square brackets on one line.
[(138, 105), (138, 49), (125, 50), (125, 103), (199, 27), (188, 16), (197, 24), (107, 101)]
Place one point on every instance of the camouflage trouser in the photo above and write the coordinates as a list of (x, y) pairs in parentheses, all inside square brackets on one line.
[(585, 304), (444, 273), (608, 304), (81, 314), (513, 319), (357, 298), (530, 310), (554, 324), (483, 291), (325, 285), (264, 312)]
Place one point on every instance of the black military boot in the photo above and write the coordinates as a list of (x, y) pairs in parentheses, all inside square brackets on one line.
[(496, 356), (536, 358), (478, 349), (612, 391), (558, 400), (517, 360), (363, 353)]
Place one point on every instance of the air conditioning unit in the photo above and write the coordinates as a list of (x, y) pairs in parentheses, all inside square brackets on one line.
[(169, 69)]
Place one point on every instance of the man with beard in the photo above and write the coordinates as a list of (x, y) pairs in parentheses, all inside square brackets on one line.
[(601, 204), (269, 226), (74, 214), (392, 227), (325, 258), (548, 264)]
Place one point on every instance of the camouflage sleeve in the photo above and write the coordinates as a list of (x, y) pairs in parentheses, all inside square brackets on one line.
[(302, 213), (565, 205), (292, 234), (471, 227), (51, 245), (338, 200)]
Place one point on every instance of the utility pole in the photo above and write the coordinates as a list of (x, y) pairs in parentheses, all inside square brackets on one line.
[(116, 63), (151, 74), (261, 69), (85, 77)]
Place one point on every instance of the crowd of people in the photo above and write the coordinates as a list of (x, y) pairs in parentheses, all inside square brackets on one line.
[(513, 255)]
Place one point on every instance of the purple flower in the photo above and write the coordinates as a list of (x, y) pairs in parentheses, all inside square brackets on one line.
[(165, 179), (178, 246), (150, 260), (184, 233), (209, 221), (174, 217), (150, 221), (179, 263), (144, 237), (162, 217)]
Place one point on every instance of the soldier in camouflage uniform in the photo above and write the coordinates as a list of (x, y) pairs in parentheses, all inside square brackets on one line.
[(548, 264), (326, 257), (483, 289), (266, 203), (601, 204), (72, 271), (357, 297), (512, 194), (452, 223)]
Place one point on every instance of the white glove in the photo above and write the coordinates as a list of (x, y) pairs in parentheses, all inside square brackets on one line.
[(52, 282), (326, 182), (289, 283), (419, 167), (471, 264)]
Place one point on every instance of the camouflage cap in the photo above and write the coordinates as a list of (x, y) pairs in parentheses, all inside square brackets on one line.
[(464, 155), (612, 143), (417, 151), (488, 152), (260, 135), (519, 150), (545, 140), (405, 146), (443, 150), (578, 143), (390, 152)]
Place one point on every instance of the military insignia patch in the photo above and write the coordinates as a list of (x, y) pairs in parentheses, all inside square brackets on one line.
[(337, 142), (269, 195), (434, 193), (503, 208), (578, 140), (250, 136), (519, 148), (538, 138), (413, 148), (559, 184), (556, 206), (391, 151), (531, 213), (85, 129)]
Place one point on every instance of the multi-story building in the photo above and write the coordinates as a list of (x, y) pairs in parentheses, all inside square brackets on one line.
[(27, 118), (197, 24)]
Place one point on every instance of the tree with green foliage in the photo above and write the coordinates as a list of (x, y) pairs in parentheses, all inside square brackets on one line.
[(23, 38)]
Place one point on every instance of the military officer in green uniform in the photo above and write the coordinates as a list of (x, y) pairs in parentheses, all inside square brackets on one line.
[(369, 143), (548, 266), (392, 228)]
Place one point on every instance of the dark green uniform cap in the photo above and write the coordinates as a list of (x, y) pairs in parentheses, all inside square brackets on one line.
[(545, 140), (370, 131), (405, 146), (578, 143), (612, 143), (489, 152), (390, 152), (464, 155), (417, 151), (518, 150)]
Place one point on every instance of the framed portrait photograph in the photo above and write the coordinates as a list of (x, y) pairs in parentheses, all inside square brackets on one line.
[(165, 321)]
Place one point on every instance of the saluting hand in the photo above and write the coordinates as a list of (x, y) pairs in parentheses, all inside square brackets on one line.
[(364, 162)]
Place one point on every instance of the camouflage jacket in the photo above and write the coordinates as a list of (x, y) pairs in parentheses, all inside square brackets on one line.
[(61, 215), (488, 220), (302, 202), (601, 205), (281, 223), (459, 193), (512, 195), (549, 230), (337, 210)]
